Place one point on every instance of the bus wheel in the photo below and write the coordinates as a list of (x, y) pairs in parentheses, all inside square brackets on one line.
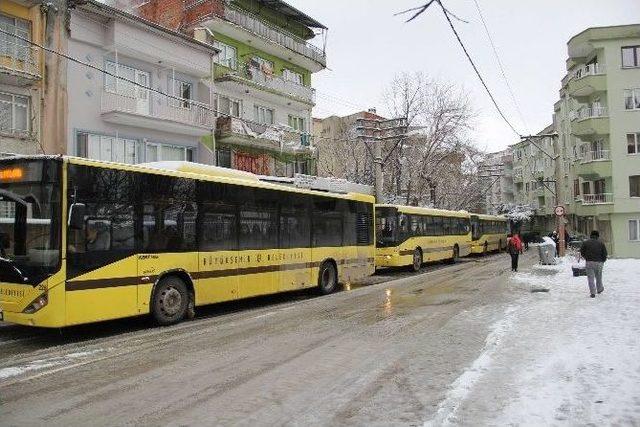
[(170, 301), (327, 278), (417, 260)]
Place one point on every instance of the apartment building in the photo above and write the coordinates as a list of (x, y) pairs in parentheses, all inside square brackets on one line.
[(153, 99), (263, 91), (498, 169), (341, 153), (21, 74), (534, 182), (598, 121)]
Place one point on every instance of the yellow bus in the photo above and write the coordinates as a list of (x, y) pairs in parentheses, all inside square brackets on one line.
[(409, 236), (85, 241), (489, 233)]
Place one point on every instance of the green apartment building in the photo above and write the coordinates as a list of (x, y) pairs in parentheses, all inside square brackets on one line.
[(262, 78)]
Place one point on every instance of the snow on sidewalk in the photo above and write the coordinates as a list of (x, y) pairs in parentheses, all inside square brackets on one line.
[(566, 358)]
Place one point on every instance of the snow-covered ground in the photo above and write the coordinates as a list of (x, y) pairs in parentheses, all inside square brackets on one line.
[(557, 356)]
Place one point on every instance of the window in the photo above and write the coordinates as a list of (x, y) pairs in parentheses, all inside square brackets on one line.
[(227, 106), (633, 143), (297, 123), (599, 186), (228, 55), (182, 90), (14, 113), (634, 186), (632, 99), (262, 64), (11, 46), (223, 157), (295, 222), (263, 115), (127, 150), (576, 188), (327, 221), (631, 56), (586, 188), (292, 76), (634, 230), (109, 148), (123, 87)]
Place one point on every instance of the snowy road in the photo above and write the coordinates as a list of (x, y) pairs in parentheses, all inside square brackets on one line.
[(464, 344)]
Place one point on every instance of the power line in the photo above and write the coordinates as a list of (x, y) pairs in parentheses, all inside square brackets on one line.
[(150, 89), (504, 75), (422, 9)]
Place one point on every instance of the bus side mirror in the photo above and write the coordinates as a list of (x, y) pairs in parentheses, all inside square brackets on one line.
[(76, 216)]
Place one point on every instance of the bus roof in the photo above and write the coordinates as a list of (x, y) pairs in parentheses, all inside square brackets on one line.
[(425, 211), (490, 217), (207, 173)]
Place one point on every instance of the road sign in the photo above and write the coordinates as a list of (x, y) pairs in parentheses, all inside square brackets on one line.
[(559, 210)]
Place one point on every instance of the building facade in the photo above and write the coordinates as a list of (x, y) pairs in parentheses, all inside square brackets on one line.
[(534, 177), (598, 120), (21, 75), (263, 94), (153, 101), (596, 154), (498, 169)]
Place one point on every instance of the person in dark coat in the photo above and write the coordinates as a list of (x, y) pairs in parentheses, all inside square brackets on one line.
[(595, 254)]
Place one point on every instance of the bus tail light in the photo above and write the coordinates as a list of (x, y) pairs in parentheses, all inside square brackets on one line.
[(37, 304)]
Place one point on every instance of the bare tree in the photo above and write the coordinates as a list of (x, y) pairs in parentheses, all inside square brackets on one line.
[(436, 164)]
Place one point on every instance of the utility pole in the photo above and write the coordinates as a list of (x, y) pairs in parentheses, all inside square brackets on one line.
[(560, 209), (375, 132)]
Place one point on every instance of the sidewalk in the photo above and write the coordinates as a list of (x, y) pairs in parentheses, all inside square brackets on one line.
[(558, 356)]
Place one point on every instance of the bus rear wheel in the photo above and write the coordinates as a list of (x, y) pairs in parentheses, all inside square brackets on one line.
[(327, 278), (170, 301), (417, 260)]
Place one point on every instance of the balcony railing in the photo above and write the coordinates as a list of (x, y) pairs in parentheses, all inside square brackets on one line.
[(158, 106), (589, 70), (273, 33), (19, 58), (271, 81), (595, 156), (588, 113), (597, 199), (271, 136)]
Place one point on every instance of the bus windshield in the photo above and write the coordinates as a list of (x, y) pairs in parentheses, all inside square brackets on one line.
[(29, 224), (386, 227)]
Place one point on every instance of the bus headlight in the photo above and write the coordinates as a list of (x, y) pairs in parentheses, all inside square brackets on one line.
[(387, 256), (37, 304)]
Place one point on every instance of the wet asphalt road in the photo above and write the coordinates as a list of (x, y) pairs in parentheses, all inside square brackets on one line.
[(383, 352)]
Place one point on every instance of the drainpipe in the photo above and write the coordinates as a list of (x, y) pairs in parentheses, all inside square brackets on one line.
[(213, 118)]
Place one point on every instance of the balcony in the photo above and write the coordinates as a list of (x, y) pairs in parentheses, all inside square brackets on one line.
[(155, 111), (593, 165), (240, 24), (232, 130), (588, 122), (244, 74), (587, 80), (597, 199), (19, 64)]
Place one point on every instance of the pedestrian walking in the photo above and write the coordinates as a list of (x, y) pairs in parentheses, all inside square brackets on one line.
[(514, 247), (594, 253)]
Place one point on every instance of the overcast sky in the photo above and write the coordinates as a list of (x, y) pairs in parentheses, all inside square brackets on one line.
[(367, 46)]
